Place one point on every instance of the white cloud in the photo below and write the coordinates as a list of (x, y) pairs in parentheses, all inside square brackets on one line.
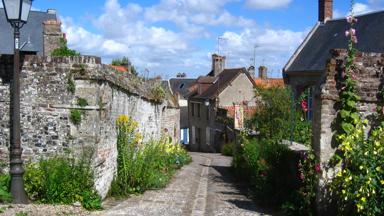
[(360, 8), (267, 4), (168, 49)]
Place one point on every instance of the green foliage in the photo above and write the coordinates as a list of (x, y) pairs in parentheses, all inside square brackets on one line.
[(75, 116), (5, 195), (82, 102), (121, 62), (264, 164), (275, 109), (143, 166), (228, 149), (71, 86), (358, 186), (157, 93), (62, 180), (21, 213), (133, 71), (63, 50)]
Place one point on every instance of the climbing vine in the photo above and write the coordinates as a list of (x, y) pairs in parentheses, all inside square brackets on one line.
[(358, 185)]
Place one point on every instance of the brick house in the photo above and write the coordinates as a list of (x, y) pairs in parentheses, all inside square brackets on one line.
[(39, 36), (209, 99)]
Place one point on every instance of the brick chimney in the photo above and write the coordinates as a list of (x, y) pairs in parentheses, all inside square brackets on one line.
[(218, 64), (263, 72), (325, 10), (52, 35)]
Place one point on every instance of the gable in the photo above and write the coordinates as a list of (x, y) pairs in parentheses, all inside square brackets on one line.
[(239, 90)]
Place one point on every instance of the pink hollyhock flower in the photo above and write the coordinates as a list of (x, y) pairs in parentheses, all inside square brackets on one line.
[(347, 33), (318, 168), (304, 105), (301, 176), (354, 39), (349, 19)]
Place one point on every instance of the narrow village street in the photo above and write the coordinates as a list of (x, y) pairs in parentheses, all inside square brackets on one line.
[(204, 187)]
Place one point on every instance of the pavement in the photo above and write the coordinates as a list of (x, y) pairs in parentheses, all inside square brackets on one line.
[(203, 187)]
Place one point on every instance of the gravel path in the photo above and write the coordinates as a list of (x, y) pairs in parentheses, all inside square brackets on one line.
[(204, 187)]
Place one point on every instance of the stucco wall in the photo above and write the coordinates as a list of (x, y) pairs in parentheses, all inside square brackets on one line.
[(241, 89)]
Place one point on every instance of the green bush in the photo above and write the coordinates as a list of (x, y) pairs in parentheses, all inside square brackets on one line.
[(71, 86), (228, 149), (63, 50), (143, 166), (5, 195), (75, 116), (62, 180)]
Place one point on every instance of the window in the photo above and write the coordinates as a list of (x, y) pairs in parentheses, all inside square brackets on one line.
[(198, 110), (207, 113), (192, 105)]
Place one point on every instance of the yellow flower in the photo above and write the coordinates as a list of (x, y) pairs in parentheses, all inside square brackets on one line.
[(378, 169), (359, 207), (361, 167), (363, 199), (122, 119), (382, 182)]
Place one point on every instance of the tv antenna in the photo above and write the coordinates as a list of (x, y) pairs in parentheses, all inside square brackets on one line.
[(219, 40)]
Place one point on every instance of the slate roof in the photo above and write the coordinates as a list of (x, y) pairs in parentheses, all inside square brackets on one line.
[(32, 30), (181, 85), (223, 80), (312, 55)]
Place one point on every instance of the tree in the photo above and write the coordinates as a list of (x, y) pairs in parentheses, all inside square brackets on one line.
[(63, 50)]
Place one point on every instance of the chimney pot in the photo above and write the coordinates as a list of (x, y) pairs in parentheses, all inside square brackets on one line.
[(325, 10), (218, 64)]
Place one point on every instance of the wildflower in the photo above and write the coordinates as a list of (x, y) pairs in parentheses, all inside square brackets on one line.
[(302, 177), (382, 182), (354, 39), (318, 168), (363, 199)]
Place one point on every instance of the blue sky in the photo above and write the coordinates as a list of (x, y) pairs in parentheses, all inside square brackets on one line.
[(171, 36)]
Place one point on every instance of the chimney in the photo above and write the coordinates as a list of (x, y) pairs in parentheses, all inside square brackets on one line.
[(263, 72), (218, 64), (325, 10), (52, 36), (251, 71)]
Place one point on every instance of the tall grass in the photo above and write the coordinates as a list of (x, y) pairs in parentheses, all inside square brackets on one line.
[(143, 165)]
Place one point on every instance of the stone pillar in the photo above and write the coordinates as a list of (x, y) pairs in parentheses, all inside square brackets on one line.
[(52, 36)]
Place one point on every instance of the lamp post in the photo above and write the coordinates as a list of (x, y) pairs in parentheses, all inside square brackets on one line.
[(17, 12)]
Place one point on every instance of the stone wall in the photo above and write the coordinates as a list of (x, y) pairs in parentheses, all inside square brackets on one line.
[(369, 77), (46, 104)]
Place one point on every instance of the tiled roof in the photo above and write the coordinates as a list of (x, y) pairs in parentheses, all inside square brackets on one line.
[(119, 68), (312, 55), (32, 31), (269, 82), (221, 82), (181, 85)]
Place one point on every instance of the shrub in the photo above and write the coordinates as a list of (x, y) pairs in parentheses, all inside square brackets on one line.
[(157, 93), (228, 149), (5, 195), (75, 116), (62, 180), (142, 166), (63, 50)]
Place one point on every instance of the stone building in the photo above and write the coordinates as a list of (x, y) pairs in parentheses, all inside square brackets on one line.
[(39, 36), (47, 104), (317, 64), (180, 88), (210, 98)]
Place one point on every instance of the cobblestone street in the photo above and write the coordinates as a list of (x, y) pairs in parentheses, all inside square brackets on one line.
[(204, 187)]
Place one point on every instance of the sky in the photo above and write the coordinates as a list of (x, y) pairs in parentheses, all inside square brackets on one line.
[(166, 37)]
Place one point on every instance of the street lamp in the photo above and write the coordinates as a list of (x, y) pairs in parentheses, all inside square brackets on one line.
[(17, 12)]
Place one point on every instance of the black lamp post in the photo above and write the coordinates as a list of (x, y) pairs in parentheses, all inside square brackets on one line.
[(17, 12)]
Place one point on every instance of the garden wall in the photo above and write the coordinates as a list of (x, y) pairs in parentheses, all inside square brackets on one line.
[(369, 77), (46, 104)]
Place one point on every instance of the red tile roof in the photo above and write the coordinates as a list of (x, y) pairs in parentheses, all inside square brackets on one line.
[(269, 82), (120, 68)]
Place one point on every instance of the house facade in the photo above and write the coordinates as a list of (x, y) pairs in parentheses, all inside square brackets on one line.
[(180, 87), (209, 99)]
